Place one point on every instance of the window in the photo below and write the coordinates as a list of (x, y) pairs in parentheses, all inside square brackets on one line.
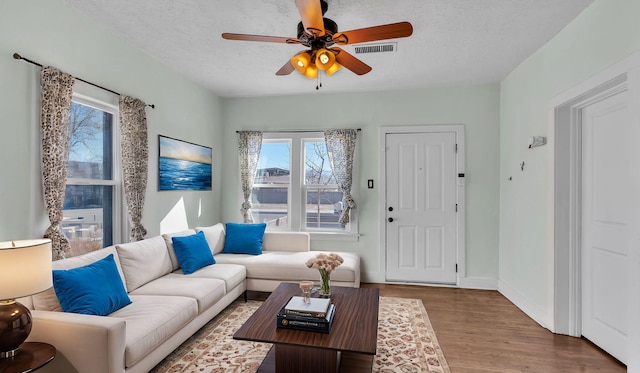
[(323, 199), (271, 189), (92, 195), (294, 188)]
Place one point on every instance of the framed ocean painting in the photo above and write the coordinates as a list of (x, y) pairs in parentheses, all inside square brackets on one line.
[(183, 165)]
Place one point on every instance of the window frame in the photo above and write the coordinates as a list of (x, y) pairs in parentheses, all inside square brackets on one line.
[(297, 189), (86, 96)]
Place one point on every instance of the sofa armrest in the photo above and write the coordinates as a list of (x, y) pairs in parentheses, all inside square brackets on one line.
[(286, 241), (84, 343)]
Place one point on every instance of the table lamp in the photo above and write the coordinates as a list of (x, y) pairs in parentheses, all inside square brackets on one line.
[(25, 269)]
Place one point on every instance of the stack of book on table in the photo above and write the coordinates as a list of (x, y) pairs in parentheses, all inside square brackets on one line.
[(315, 316)]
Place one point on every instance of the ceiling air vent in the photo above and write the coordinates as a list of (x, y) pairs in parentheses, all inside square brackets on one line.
[(376, 48)]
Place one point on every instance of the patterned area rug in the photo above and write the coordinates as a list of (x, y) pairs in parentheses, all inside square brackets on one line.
[(406, 343)]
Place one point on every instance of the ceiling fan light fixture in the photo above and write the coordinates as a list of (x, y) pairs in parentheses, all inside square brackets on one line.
[(311, 72), (335, 67), (301, 61), (325, 59), (319, 34)]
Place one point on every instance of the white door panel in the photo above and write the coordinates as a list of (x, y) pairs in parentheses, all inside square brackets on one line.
[(421, 191), (606, 189)]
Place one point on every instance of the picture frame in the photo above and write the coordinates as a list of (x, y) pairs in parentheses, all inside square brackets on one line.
[(183, 165)]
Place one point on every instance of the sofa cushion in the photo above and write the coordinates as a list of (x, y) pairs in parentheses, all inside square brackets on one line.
[(192, 252), (152, 319), (290, 266), (169, 242), (95, 289), (46, 301), (215, 237), (244, 238), (206, 291), (232, 274), (286, 241), (143, 261)]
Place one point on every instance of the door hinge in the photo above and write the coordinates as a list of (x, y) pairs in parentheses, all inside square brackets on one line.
[(456, 207), (456, 148), (456, 267)]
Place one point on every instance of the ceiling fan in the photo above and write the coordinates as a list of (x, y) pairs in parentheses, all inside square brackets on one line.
[(322, 37)]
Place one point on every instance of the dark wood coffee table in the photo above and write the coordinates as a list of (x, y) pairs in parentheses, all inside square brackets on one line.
[(353, 334)]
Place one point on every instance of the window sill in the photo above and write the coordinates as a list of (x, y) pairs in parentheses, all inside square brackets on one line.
[(334, 236)]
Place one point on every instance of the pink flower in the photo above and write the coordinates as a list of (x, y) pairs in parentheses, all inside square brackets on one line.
[(327, 262)]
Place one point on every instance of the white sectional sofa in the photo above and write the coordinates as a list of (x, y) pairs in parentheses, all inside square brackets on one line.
[(167, 306)]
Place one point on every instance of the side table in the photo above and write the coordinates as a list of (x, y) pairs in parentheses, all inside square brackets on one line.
[(31, 357)]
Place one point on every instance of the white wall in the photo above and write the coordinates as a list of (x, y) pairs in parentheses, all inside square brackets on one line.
[(603, 34), (49, 32), (474, 106)]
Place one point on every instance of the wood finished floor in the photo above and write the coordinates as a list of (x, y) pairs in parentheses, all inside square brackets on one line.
[(481, 331)]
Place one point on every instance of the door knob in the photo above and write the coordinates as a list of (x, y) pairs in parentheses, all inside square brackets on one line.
[(390, 220)]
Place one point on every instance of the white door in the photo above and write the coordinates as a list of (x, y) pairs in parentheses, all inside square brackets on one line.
[(421, 226), (606, 166)]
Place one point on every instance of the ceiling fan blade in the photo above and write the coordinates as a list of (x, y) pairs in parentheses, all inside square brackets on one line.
[(350, 62), (286, 69), (262, 38), (311, 15), (382, 32)]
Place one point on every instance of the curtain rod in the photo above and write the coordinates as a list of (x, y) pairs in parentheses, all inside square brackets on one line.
[(19, 57), (302, 131)]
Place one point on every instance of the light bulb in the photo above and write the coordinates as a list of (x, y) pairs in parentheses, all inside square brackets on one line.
[(301, 61), (325, 59)]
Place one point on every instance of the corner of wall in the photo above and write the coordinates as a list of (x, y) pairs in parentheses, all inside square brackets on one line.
[(479, 283), (537, 313)]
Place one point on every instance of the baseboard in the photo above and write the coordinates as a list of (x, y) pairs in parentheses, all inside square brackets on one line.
[(372, 277), (526, 305), (480, 283)]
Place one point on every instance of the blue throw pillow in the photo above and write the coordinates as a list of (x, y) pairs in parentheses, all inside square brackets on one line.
[(244, 238), (95, 289), (193, 252)]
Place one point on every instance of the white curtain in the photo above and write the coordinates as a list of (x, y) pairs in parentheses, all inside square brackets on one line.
[(135, 159), (249, 145), (341, 145)]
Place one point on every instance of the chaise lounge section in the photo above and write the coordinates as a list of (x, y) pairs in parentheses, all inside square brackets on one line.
[(167, 306), (283, 259)]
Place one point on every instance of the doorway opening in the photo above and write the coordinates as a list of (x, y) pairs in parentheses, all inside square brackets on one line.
[(573, 166)]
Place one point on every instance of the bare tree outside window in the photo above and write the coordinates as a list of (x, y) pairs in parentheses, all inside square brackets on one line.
[(85, 124), (320, 183)]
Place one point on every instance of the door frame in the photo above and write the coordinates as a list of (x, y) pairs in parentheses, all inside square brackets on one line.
[(567, 197), (458, 129), (568, 202)]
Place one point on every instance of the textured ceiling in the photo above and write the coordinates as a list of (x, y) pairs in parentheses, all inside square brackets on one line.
[(454, 41)]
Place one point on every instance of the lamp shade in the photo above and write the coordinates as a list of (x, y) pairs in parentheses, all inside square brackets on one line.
[(311, 72), (25, 268), (335, 67), (324, 59), (301, 61)]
